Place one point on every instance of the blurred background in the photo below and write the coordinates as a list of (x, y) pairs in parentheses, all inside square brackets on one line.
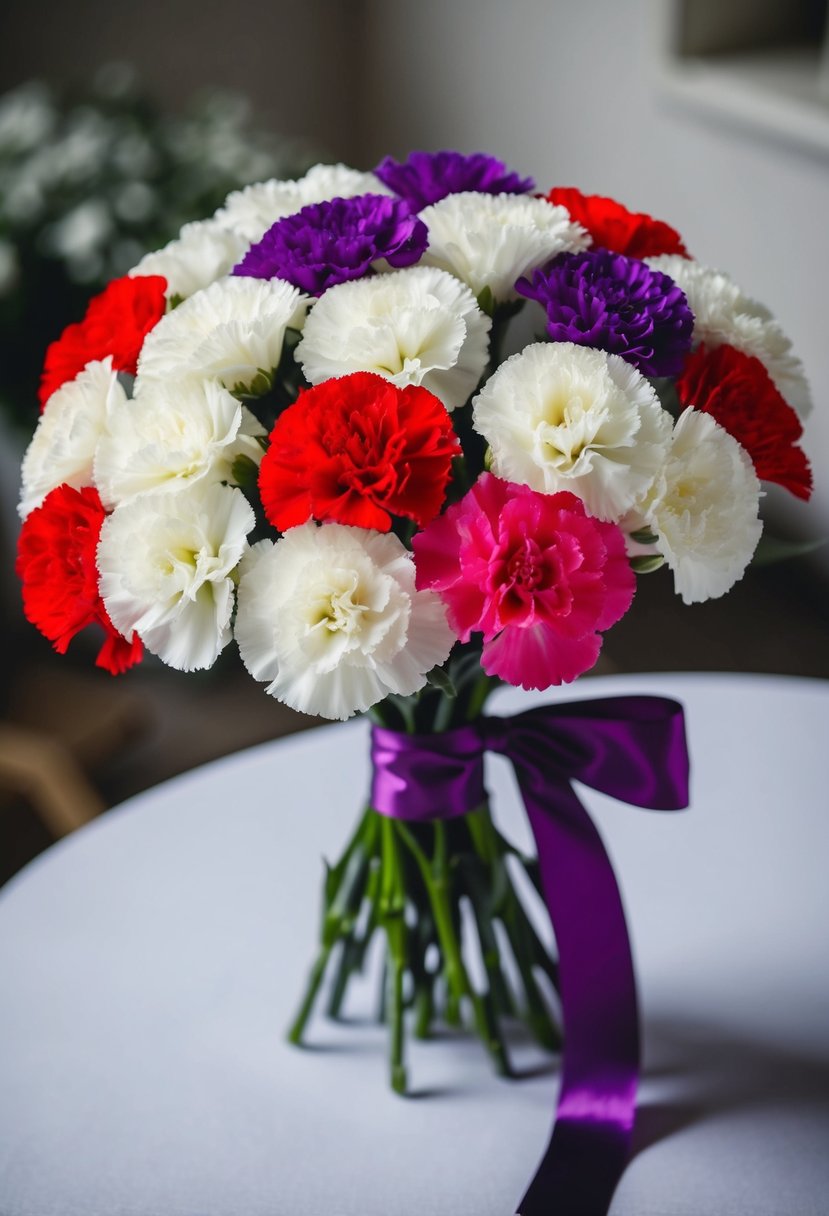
[(120, 122)]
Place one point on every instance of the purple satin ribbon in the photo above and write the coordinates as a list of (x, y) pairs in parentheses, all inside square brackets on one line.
[(634, 749)]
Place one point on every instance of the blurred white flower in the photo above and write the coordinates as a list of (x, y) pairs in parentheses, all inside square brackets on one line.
[(558, 416), (704, 508), (23, 200), (67, 434), (167, 575), (724, 315), (135, 202), (203, 252), (252, 211), (9, 268), (81, 232), (84, 147), (416, 326), (171, 436), (331, 618), (133, 155), (27, 118), (491, 240), (232, 332)]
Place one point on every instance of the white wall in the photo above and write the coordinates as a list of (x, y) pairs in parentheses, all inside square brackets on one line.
[(294, 58), (568, 91)]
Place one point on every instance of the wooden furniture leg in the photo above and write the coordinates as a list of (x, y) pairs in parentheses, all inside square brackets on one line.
[(43, 770)]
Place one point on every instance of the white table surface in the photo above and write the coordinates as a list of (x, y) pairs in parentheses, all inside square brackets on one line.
[(150, 963)]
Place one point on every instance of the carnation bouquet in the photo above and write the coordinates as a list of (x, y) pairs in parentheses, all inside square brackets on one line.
[(299, 426)]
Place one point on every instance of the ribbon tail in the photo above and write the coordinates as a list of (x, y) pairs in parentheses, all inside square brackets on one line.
[(591, 1137)]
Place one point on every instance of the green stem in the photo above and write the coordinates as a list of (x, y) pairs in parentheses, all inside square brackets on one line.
[(424, 1008), (437, 880), (481, 690), (341, 978), (344, 885), (351, 960), (297, 1028), (392, 917), (382, 1000), (536, 1014), (444, 713), (422, 937), (539, 952), (335, 874), (527, 948), (503, 1000)]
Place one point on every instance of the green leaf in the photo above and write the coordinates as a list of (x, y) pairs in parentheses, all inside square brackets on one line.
[(465, 669), (486, 301), (772, 549), (644, 536), (244, 472), (261, 383), (291, 338), (442, 680), (647, 564)]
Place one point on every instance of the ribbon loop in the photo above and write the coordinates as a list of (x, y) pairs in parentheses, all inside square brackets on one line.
[(634, 749)]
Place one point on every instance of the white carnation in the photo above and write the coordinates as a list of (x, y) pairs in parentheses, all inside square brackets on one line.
[(63, 445), (558, 416), (415, 326), (231, 332), (252, 211), (166, 574), (724, 315), (491, 240), (331, 618), (202, 252), (171, 436), (704, 508), (323, 182)]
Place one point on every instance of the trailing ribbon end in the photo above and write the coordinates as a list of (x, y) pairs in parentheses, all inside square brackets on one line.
[(579, 1172), (634, 749)]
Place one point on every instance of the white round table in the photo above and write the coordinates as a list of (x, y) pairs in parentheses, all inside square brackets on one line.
[(151, 962)]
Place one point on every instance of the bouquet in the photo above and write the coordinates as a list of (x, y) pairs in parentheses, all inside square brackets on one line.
[(299, 426)]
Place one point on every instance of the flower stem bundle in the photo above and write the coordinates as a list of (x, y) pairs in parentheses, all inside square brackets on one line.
[(407, 885)]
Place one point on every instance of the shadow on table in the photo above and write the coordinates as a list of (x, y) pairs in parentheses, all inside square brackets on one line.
[(527, 1058), (707, 1071)]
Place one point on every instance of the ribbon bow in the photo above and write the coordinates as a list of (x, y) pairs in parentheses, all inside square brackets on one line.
[(634, 749)]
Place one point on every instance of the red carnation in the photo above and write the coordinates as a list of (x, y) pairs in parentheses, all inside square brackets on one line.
[(116, 323), (57, 563), (613, 227), (357, 450), (737, 391)]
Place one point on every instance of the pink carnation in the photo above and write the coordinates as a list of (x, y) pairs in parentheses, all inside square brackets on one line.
[(533, 572)]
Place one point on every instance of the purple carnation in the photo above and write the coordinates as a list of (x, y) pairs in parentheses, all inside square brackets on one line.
[(427, 177), (332, 242), (617, 304)]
